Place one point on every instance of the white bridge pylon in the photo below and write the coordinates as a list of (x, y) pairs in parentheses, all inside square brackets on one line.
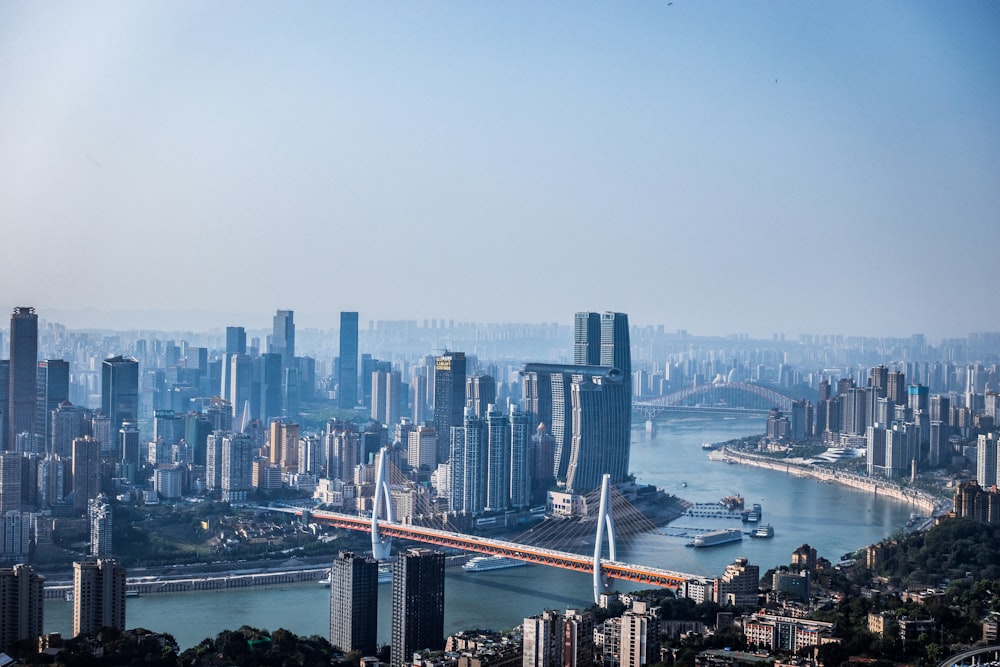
[(605, 518), (381, 546)]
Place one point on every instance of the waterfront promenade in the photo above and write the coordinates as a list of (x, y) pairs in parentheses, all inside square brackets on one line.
[(925, 502)]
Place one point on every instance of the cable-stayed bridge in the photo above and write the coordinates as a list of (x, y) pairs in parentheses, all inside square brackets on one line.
[(528, 547)]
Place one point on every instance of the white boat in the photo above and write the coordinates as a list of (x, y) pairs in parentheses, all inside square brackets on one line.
[(764, 531), (717, 537), (485, 563)]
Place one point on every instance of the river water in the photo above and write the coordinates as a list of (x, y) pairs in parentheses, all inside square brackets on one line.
[(832, 518)]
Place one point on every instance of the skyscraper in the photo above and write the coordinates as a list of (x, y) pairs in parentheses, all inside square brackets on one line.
[(98, 596), (236, 340), (386, 397), (53, 388), (100, 518), (449, 397), (22, 604), (417, 603), (347, 380), (354, 603), (497, 460), (587, 339), (480, 391), (120, 390), (283, 337), (11, 480), (23, 376), (236, 467), (86, 471)]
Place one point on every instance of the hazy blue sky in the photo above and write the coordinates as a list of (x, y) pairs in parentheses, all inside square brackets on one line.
[(719, 167)]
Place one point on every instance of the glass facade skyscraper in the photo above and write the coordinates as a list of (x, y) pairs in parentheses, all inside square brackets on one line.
[(347, 380)]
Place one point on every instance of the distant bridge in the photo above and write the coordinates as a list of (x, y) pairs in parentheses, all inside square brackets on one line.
[(725, 397)]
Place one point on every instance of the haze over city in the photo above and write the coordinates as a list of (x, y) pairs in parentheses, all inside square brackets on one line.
[(721, 168)]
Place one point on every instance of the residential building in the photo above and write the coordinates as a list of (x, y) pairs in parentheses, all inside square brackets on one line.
[(417, 603), (22, 605), (98, 596), (354, 603)]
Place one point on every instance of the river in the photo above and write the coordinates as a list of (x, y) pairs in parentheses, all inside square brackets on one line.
[(832, 518)]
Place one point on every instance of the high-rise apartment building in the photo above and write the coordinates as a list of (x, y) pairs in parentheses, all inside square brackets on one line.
[(23, 375), (283, 337), (521, 463), (284, 445), (543, 640), (468, 449), (587, 339), (11, 482), (739, 584), (640, 636), (347, 378), (417, 603), (387, 387), (480, 392), (497, 460), (120, 390), (354, 603), (98, 596), (100, 518), (236, 474), (987, 460), (449, 397), (22, 605)]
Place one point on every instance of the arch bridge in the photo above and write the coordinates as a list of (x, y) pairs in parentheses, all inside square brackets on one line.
[(727, 397)]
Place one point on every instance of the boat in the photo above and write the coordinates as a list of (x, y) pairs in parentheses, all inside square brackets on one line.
[(684, 484), (485, 563), (732, 502), (131, 593), (763, 532), (707, 446), (717, 537), (751, 515), (69, 596)]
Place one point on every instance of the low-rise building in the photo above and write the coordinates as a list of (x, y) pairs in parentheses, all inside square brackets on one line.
[(784, 633)]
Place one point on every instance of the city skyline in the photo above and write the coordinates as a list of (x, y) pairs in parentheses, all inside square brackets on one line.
[(816, 168)]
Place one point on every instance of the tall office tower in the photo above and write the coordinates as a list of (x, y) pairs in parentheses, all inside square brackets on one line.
[(937, 440), (266, 387), (878, 379), (521, 462), (237, 467), (347, 379), (468, 447), (22, 605), (480, 392), (419, 384), (354, 603), (587, 339), (285, 445), (23, 376), (449, 396), (290, 393), (98, 596), (896, 387), (99, 516), (386, 400), (53, 388), (240, 382), (236, 340), (417, 604), (987, 462), (128, 447), (421, 447), (283, 337), (918, 398), (543, 639), (86, 471), (120, 390), (4, 402), (12, 467), (640, 636), (497, 460), (824, 391)]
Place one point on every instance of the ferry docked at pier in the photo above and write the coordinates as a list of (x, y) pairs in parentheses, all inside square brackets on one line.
[(716, 537)]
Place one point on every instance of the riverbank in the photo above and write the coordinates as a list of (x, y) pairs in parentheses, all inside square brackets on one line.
[(921, 500)]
